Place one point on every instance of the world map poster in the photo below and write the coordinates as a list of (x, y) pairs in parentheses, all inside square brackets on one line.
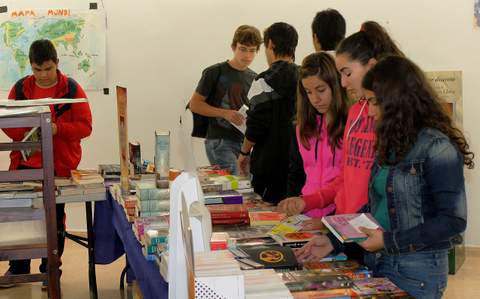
[(78, 36)]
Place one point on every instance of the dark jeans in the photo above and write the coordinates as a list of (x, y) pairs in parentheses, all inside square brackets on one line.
[(23, 266), (422, 274)]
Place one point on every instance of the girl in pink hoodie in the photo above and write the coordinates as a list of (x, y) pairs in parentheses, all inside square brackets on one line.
[(322, 108)]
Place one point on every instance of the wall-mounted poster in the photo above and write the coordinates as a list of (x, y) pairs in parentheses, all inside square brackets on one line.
[(78, 35), (448, 84)]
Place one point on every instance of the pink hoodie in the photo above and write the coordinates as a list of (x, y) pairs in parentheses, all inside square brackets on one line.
[(349, 191)]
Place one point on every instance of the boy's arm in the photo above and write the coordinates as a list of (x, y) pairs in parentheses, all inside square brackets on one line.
[(81, 124), (207, 87), (199, 105)]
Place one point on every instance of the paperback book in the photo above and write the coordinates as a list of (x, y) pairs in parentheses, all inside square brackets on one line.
[(346, 226)]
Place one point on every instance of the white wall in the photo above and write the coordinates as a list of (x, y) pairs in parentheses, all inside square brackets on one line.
[(158, 48)]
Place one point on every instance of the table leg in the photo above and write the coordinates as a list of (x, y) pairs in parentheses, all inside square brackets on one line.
[(92, 279)]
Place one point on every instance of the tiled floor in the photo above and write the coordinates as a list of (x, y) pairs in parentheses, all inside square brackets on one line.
[(74, 282)]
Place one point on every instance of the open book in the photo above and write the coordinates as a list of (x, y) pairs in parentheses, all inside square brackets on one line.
[(243, 127), (345, 226), (32, 136)]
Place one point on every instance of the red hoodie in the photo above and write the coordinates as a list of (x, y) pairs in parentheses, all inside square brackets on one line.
[(72, 126), (349, 191)]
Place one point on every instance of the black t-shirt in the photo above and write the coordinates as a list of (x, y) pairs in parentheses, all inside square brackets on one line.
[(230, 88)]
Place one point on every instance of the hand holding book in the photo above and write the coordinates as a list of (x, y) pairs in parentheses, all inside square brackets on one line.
[(316, 249), (374, 239)]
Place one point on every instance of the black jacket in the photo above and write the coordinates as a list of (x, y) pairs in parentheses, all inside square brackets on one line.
[(269, 122)]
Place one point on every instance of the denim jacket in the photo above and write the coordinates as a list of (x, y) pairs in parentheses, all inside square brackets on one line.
[(425, 196)]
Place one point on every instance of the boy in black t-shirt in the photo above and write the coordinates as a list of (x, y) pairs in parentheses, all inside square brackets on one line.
[(225, 85)]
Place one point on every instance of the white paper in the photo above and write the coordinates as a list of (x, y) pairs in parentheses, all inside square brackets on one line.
[(39, 102), (243, 127), (363, 221)]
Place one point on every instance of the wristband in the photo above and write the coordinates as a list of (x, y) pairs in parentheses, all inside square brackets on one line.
[(244, 154)]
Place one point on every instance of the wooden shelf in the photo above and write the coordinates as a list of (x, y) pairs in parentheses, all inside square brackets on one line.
[(16, 146), (21, 175), (16, 252), (21, 121), (20, 214), (23, 278), (35, 248)]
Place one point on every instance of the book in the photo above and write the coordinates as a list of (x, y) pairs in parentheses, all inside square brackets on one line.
[(15, 202), (223, 197), (86, 176), (293, 240), (345, 226), (272, 257), (351, 268), (32, 136), (234, 211), (162, 154), (379, 287), (135, 157), (290, 225), (265, 283), (300, 281), (243, 127), (265, 217)]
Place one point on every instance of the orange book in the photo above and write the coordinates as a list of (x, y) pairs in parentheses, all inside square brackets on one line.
[(265, 217)]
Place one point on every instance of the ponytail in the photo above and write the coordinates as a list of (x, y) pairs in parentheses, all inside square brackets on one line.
[(372, 41)]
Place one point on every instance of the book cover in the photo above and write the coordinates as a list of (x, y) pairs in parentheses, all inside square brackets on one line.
[(86, 176), (234, 211), (379, 287), (135, 157), (336, 294), (350, 268), (272, 257), (223, 197), (162, 154), (265, 217), (293, 240), (301, 281), (345, 226)]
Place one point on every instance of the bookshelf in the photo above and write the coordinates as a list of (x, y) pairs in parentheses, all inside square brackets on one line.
[(35, 248)]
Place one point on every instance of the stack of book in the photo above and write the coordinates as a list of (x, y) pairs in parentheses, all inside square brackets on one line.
[(265, 284), (19, 195), (86, 176), (223, 197), (218, 274), (228, 214), (110, 172), (152, 200), (224, 183)]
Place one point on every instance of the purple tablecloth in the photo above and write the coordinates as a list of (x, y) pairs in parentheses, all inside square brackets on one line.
[(113, 236)]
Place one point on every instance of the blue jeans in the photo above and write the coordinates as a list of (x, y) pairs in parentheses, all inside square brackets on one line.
[(423, 275), (223, 152)]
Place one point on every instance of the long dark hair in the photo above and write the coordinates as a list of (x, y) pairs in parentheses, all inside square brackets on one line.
[(408, 103), (372, 41), (322, 66)]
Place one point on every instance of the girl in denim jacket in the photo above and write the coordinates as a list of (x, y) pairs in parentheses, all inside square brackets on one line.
[(416, 188)]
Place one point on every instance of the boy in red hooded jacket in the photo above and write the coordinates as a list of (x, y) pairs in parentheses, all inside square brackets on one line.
[(70, 124)]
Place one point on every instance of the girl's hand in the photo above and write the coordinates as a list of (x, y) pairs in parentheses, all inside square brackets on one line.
[(374, 241)]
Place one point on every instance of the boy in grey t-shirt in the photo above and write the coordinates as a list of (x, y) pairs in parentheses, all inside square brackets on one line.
[(225, 85)]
